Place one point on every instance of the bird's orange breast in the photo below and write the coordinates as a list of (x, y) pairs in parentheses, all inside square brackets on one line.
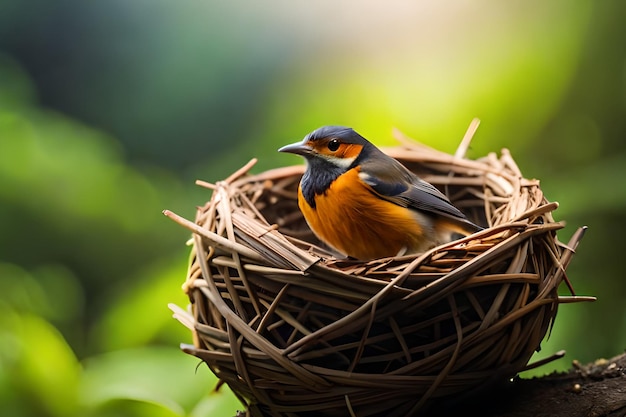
[(351, 218)]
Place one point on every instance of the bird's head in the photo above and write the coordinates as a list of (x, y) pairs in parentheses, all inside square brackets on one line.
[(338, 145)]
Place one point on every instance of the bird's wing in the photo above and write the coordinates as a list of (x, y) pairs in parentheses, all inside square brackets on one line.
[(393, 182)]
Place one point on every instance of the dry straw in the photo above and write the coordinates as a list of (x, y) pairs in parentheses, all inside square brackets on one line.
[(295, 331)]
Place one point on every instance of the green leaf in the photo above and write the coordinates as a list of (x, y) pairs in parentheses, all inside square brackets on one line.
[(138, 313), (41, 366), (133, 408), (159, 375)]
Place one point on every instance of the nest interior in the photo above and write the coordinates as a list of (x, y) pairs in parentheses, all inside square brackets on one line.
[(295, 330)]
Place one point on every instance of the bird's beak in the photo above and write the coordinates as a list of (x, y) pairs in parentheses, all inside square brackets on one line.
[(298, 148)]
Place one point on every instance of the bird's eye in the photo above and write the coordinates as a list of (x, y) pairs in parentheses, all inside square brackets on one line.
[(333, 145)]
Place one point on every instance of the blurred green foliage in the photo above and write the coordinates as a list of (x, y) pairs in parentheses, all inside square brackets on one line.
[(110, 110)]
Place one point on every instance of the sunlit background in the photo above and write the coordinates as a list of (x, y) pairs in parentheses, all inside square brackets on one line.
[(110, 110)]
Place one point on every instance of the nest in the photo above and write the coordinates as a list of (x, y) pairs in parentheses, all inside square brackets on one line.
[(295, 330)]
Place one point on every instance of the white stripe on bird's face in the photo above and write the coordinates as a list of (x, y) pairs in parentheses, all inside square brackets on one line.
[(340, 162)]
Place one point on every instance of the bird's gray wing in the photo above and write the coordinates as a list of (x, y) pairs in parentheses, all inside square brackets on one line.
[(392, 181)]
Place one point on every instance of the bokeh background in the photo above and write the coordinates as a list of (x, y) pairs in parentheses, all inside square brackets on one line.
[(110, 110)]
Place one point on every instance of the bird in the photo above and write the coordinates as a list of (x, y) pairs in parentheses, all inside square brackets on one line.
[(365, 204)]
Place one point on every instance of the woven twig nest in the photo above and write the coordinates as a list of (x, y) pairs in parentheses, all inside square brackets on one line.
[(294, 330)]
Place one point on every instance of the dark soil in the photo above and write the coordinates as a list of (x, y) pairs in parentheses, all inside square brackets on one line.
[(594, 390)]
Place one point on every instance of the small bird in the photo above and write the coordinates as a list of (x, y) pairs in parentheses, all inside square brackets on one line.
[(367, 205)]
